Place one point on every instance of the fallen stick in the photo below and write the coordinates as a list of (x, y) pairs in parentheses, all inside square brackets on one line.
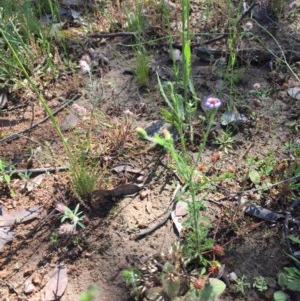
[(18, 135), (112, 34), (37, 170), (149, 230)]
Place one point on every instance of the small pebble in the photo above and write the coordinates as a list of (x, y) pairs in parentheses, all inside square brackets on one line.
[(28, 288), (140, 179), (37, 280), (232, 276), (144, 194)]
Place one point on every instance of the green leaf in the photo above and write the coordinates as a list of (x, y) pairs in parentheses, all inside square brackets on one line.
[(7, 179), (142, 133), (89, 295), (254, 177), (294, 239), (76, 209), (282, 280), (293, 258), (171, 286), (167, 115), (280, 296), (63, 218), (294, 285)]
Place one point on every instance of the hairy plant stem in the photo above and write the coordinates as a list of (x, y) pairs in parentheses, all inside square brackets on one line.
[(211, 117), (192, 187), (186, 47)]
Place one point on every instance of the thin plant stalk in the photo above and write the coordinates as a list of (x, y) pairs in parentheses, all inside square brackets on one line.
[(44, 104)]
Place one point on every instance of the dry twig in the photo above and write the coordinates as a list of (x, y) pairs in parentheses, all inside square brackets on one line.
[(18, 135), (149, 230)]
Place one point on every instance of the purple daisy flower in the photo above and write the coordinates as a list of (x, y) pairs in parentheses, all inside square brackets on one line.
[(211, 103)]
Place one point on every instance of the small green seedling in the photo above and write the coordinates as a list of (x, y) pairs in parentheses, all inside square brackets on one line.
[(54, 236), (241, 284), (133, 278), (260, 92), (260, 283), (224, 141), (89, 294), (6, 171), (75, 216)]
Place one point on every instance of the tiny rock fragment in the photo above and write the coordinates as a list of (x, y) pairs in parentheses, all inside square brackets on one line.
[(27, 273), (127, 168), (140, 179), (80, 110), (3, 274), (294, 92), (144, 194), (3, 100), (84, 66), (176, 55), (149, 207), (37, 280), (177, 222), (232, 276), (6, 235), (271, 282), (136, 206), (153, 293), (181, 208), (28, 288)]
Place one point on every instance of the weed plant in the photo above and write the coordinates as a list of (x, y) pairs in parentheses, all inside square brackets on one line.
[(180, 113), (241, 285), (289, 277), (83, 177), (260, 284), (90, 294), (75, 216), (20, 29), (137, 24), (6, 172), (142, 67)]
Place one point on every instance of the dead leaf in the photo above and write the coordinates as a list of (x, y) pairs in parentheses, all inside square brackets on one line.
[(294, 92), (19, 216), (126, 189), (5, 236), (177, 222), (3, 100), (33, 183), (57, 284), (69, 123), (181, 208)]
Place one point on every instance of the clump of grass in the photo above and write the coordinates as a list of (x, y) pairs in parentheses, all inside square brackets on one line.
[(84, 177), (142, 68)]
